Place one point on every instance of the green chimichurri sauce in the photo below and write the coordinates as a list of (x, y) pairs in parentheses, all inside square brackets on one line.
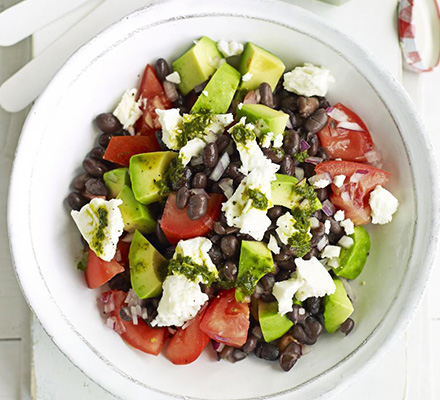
[(302, 156), (241, 134), (191, 270), (99, 236), (194, 126), (259, 199)]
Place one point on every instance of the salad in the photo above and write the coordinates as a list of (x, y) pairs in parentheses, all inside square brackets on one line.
[(225, 204)]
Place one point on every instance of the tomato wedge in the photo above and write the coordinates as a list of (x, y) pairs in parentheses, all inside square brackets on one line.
[(99, 271), (187, 344), (176, 225), (141, 336), (121, 148), (350, 145), (152, 90), (226, 320), (354, 194)]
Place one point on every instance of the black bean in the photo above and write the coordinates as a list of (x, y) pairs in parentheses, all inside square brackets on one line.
[(275, 212), (294, 315), (323, 153), (267, 351), (215, 239), (268, 298), (121, 281), (159, 139), (296, 120), (161, 236), (290, 356), (312, 327), (237, 355), (267, 282), (282, 275), (200, 180), (287, 166), (281, 257), (197, 207), (316, 121), (323, 194), (162, 69), (97, 153), (226, 352), (210, 155), (290, 102), (300, 335), (76, 201), (108, 123), (313, 141), (312, 305), (169, 252), (96, 187), (104, 139), (347, 326), (182, 197), (125, 314), (285, 340), (230, 246), (231, 229), (307, 106), (222, 143), (335, 227), (291, 142), (215, 254), (209, 290), (232, 170), (312, 253), (251, 344), (323, 103), (256, 331), (219, 229), (309, 169), (80, 181), (273, 155), (183, 180), (266, 95), (317, 234)]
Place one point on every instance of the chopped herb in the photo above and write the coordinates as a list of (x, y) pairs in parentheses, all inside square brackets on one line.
[(259, 199), (82, 265), (191, 270), (99, 236), (194, 126), (173, 174), (302, 156), (164, 190), (242, 133)]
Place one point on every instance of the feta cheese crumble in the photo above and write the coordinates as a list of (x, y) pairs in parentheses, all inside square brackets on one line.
[(284, 292), (100, 223), (128, 111), (285, 227), (320, 183), (331, 252), (174, 77), (170, 121), (308, 80), (348, 226), (339, 180), (273, 245), (193, 148), (339, 215), (327, 226), (346, 242), (229, 49), (198, 250), (383, 205), (181, 300), (205, 93), (266, 140), (246, 77), (278, 141)]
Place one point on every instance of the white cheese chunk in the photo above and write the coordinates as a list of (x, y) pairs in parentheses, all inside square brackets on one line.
[(284, 292), (346, 242), (192, 149), (273, 245), (383, 205), (100, 223), (348, 226), (327, 225), (266, 140), (170, 121), (308, 80), (198, 250), (314, 222), (229, 49), (331, 251), (339, 180), (317, 282), (128, 111), (278, 140), (285, 227), (339, 215), (174, 77), (181, 300), (246, 77), (333, 262)]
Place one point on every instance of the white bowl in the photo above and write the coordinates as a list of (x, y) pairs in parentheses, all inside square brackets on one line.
[(59, 132)]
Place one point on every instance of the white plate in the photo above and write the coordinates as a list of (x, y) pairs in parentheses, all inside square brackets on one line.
[(59, 132)]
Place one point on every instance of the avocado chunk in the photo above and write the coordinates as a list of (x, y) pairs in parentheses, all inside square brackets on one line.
[(273, 325), (198, 64), (255, 262), (115, 179), (288, 192), (353, 260), (337, 307), (266, 119), (147, 267), (219, 92), (146, 172), (135, 215), (262, 67)]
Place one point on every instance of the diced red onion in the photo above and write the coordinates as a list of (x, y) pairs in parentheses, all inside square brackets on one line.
[(362, 171), (119, 327), (218, 347), (134, 316), (336, 114), (299, 173), (109, 307), (351, 126), (350, 292), (138, 310), (251, 98), (329, 110), (227, 185), (187, 323), (220, 168), (128, 237), (322, 243), (345, 196), (314, 160), (106, 297), (321, 177), (199, 88), (328, 208), (230, 148), (303, 145), (199, 191), (144, 314), (170, 91), (197, 161), (172, 331), (111, 322)]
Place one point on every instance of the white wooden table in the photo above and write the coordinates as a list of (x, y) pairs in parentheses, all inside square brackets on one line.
[(32, 367)]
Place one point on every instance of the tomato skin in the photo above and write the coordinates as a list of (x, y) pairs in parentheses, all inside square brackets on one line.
[(226, 320), (187, 344), (141, 336), (343, 143), (99, 271), (356, 207), (121, 148), (152, 90), (176, 225)]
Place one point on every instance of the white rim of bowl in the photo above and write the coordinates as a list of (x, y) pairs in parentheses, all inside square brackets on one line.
[(59, 328)]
